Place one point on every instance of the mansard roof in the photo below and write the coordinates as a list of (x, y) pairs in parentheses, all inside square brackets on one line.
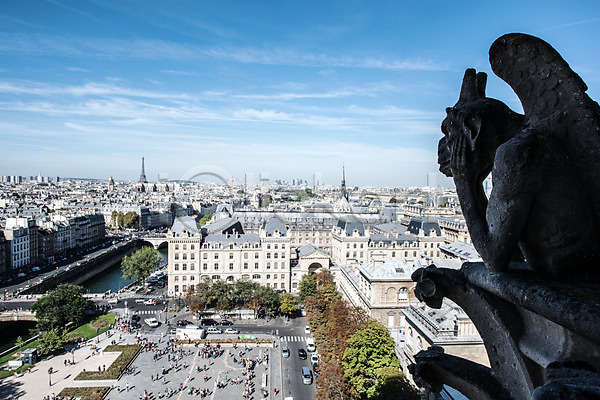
[(225, 239), (426, 224), (225, 225), (185, 223), (349, 224), (274, 223)]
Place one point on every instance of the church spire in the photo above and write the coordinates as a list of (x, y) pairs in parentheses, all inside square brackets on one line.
[(344, 193)]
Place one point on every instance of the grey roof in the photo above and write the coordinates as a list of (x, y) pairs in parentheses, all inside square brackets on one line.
[(391, 269), (390, 227), (451, 263), (380, 237), (427, 224), (309, 249), (186, 223), (350, 224), (226, 239), (274, 223), (225, 225), (224, 208), (462, 250), (376, 203)]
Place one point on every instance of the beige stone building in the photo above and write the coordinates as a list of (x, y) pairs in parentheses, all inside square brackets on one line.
[(222, 251), (448, 327), (353, 243), (383, 288)]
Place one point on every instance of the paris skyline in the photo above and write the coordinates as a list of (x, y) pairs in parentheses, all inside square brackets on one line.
[(88, 88)]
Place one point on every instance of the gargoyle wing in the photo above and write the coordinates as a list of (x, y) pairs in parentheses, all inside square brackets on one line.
[(537, 73), (554, 100)]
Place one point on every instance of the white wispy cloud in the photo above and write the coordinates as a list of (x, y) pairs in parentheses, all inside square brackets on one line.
[(77, 69), (88, 89), (161, 49)]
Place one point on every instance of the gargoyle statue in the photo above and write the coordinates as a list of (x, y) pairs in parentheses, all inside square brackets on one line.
[(546, 182)]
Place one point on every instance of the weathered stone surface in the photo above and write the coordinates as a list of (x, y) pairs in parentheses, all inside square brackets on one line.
[(536, 298), (544, 164)]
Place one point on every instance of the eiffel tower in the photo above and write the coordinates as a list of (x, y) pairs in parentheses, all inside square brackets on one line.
[(143, 174)]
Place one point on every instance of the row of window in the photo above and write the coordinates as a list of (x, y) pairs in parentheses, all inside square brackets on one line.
[(184, 266), (184, 288), (184, 278)]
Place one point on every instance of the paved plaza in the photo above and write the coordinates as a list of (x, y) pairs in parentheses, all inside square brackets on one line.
[(156, 373)]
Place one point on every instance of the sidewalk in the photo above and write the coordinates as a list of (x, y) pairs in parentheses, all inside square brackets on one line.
[(35, 384)]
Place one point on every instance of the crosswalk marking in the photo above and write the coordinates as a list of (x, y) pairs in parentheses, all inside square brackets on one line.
[(293, 339), (145, 312)]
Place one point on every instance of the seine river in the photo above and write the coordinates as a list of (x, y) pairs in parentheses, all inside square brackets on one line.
[(112, 278)]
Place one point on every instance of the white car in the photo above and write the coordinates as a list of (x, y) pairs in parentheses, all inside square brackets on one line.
[(307, 330), (151, 322), (212, 329), (232, 331), (314, 358)]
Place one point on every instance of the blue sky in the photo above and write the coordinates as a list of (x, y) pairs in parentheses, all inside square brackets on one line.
[(286, 87)]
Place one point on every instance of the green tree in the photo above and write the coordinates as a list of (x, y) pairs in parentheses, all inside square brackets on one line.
[(393, 200), (194, 301), (289, 304), (308, 286), (51, 341), (19, 342), (140, 264), (392, 384), (370, 349), (120, 218), (60, 306), (269, 298), (242, 292), (204, 220), (130, 219), (113, 218)]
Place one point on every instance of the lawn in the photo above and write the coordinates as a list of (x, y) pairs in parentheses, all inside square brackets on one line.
[(87, 331), (93, 328), (128, 353), (11, 356), (85, 393)]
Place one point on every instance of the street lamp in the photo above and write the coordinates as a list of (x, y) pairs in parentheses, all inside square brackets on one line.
[(73, 354), (50, 376)]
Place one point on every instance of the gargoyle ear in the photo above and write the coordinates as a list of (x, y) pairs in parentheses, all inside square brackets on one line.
[(473, 127), (468, 90)]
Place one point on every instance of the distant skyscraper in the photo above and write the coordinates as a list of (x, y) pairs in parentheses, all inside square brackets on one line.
[(432, 180), (317, 179), (143, 174)]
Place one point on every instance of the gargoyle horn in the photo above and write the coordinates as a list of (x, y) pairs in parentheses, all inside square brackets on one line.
[(473, 85)]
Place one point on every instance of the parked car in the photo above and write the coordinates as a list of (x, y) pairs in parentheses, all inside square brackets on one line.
[(307, 330), (172, 331), (314, 358), (232, 331), (307, 376), (208, 322), (226, 322), (150, 302), (183, 322), (302, 354), (285, 352), (135, 325), (212, 329)]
